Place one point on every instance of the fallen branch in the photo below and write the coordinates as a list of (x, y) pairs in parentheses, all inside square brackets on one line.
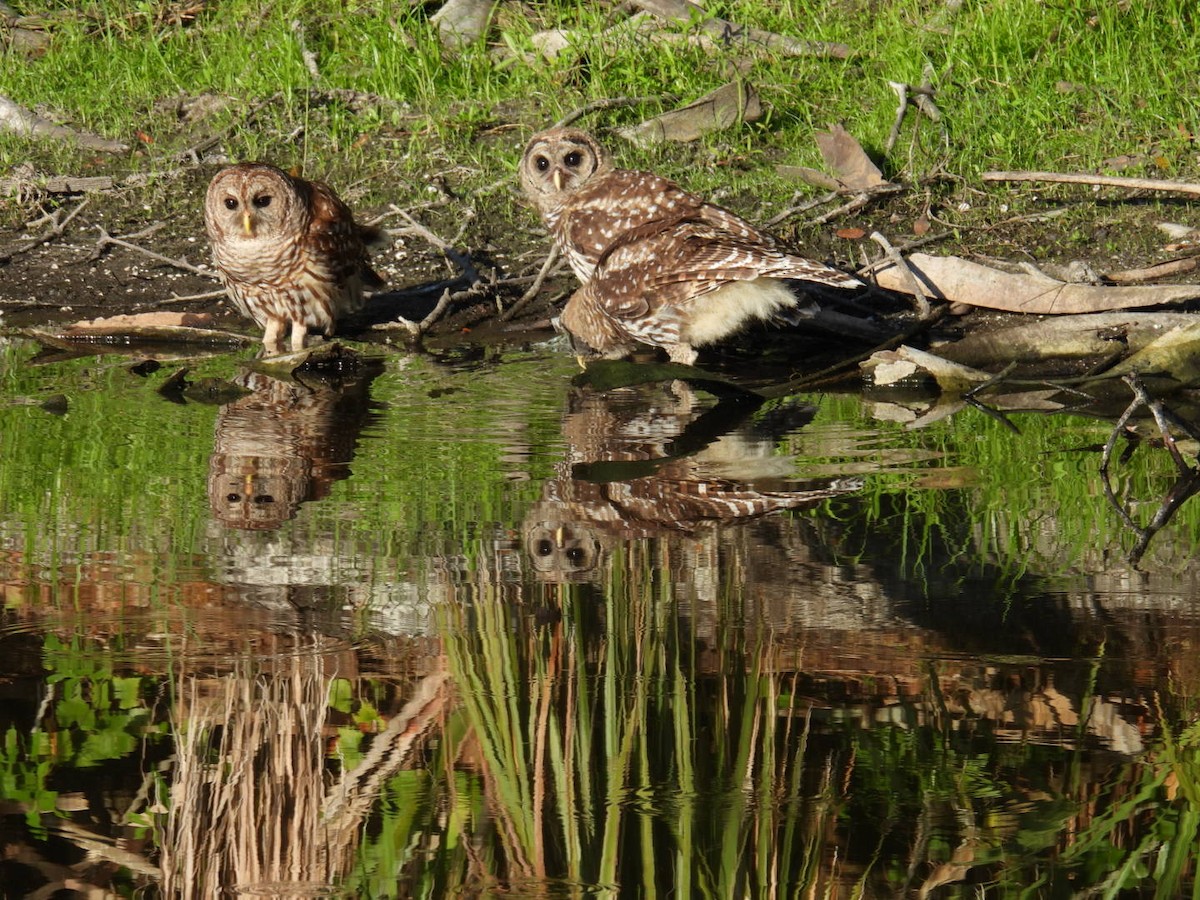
[(21, 121), (58, 226), (1133, 184), (106, 240), (535, 288), (1155, 272)]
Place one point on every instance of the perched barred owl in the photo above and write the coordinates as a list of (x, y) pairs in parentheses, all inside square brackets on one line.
[(659, 265), (288, 250)]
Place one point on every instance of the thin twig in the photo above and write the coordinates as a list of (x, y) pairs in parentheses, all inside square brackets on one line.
[(800, 208), (859, 201), (1135, 184), (535, 288)]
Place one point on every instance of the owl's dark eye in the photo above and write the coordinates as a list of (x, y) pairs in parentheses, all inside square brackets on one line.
[(544, 547), (233, 498), (231, 203), (262, 201), (575, 556), (542, 163), (264, 498), (573, 159)]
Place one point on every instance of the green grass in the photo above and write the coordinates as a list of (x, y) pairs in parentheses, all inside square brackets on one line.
[(1020, 83)]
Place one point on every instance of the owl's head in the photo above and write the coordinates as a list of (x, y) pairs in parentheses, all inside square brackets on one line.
[(558, 162), (254, 200)]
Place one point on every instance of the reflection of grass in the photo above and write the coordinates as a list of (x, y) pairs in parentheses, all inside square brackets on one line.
[(587, 728)]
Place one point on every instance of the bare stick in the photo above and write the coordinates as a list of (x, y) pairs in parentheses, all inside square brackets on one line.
[(56, 230), (858, 202), (901, 90), (107, 240), (606, 103), (920, 295), (535, 288), (1133, 184), (1156, 271), (803, 207), (413, 227)]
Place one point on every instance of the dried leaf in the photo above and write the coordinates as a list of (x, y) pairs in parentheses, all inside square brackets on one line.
[(851, 234), (849, 162), (958, 280), (727, 105)]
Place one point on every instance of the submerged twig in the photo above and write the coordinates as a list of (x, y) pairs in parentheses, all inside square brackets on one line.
[(1185, 486)]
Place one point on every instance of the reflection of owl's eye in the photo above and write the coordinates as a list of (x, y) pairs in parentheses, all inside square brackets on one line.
[(262, 201), (573, 159), (231, 203), (264, 498), (544, 547), (233, 498), (542, 163), (575, 556)]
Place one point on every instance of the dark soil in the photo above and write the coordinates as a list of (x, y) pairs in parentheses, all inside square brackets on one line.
[(49, 279)]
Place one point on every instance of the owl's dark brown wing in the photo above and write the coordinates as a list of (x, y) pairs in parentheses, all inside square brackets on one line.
[(335, 235)]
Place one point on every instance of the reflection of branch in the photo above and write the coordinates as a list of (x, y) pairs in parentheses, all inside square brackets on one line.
[(349, 801), (1185, 486)]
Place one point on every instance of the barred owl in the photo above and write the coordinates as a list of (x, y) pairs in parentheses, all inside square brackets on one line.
[(283, 444), (625, 478), (659, 265), (288, 251)]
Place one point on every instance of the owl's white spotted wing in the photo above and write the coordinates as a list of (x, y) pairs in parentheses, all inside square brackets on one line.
[(623, 202)]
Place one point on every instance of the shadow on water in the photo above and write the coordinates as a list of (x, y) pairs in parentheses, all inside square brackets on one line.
[(628, 640)]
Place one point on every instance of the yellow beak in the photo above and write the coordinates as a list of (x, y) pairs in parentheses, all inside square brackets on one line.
[(558, 179), (248, 224)]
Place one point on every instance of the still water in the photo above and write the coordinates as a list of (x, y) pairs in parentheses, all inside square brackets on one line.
[(468, 624)]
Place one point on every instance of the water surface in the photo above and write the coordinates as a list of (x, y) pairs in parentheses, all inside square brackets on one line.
[(462, 624)]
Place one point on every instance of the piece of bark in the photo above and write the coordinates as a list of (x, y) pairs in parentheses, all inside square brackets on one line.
[(727, 32), (1175, 353), (462, 22), (888, 367), (21, 121), (1093, 336), (957, 280), (851, 166), (728, 105)]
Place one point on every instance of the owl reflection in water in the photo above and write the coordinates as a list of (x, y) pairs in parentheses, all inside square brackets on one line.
[(288, 251), (589, 507), (283, 444), (658, 264)]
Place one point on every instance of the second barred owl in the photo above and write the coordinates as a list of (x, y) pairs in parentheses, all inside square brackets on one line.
[(659, 265), (288, 251)]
